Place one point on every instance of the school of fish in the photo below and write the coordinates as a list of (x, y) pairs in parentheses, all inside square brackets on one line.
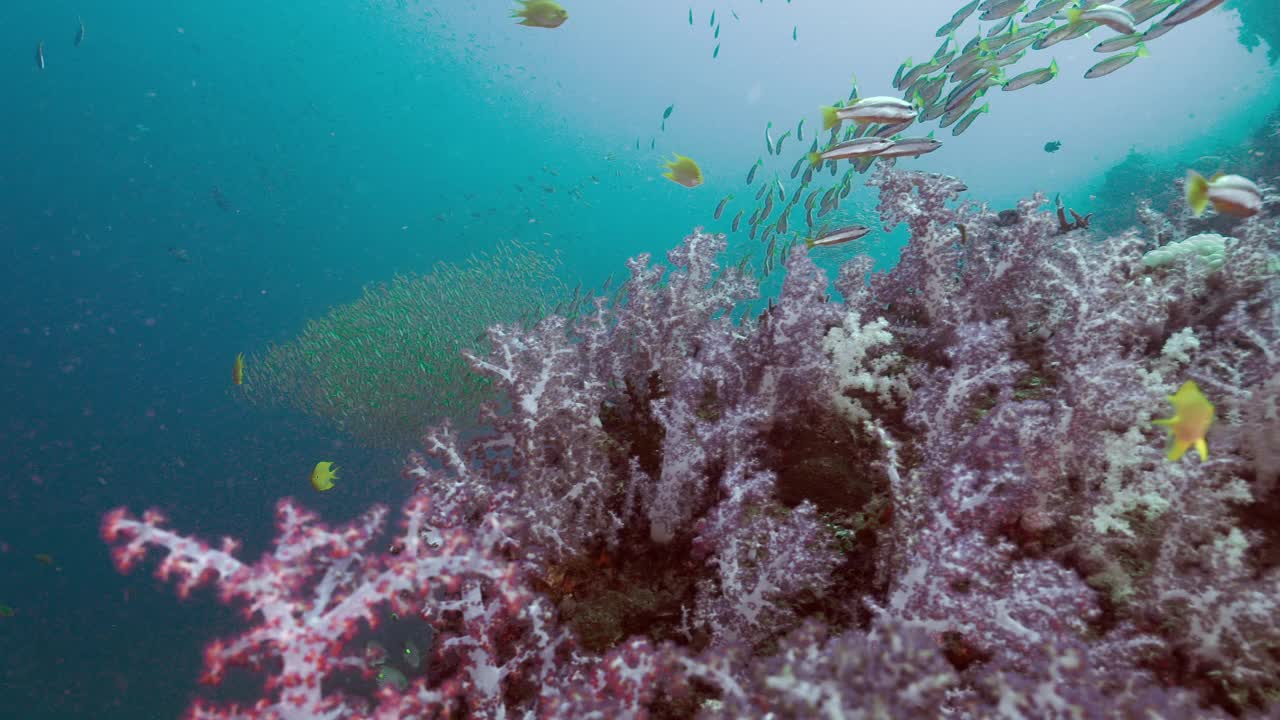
[(947, 87)]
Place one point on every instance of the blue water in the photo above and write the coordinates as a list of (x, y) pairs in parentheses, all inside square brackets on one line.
[(295, 153)]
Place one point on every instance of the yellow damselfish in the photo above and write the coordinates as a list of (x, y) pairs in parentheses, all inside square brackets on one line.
[(1192, 416), (683, 170), (541, 13), (323, 476)]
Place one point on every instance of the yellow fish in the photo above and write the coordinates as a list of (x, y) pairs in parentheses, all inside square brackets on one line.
[(541, 13), (683, 170), (323, 476), (237, 370), (1192, 416)]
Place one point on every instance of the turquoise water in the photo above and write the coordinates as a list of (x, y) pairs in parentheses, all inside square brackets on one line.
[(294, 155)]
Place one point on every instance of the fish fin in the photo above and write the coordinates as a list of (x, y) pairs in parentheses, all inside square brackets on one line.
[(815, 159), (1073, 15), (1197, 192), (829, 117), (1142, 50), (1203, 449)]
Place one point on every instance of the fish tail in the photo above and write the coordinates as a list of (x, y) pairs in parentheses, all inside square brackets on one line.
[(829, 117), (1142, 50), (815, 159), (1073, 16), (1197, 192)]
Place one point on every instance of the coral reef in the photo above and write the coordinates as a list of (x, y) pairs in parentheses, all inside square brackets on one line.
[(943, 495)]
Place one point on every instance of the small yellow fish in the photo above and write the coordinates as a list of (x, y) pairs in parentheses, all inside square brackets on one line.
[(237, 370), (541, 13), (683, 170), (323, 476), (1192, 416)]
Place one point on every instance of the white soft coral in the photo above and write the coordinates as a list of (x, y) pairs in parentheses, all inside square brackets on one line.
[(863, 364)]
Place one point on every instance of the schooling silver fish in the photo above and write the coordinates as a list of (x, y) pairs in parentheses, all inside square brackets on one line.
[(1117, 19), (836, 237), (40, 54), (1119, 42), (1115, 62), (1189, 10), (1032, 77), (80, 32)]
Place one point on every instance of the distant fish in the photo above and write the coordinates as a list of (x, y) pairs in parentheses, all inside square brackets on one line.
[(768, 137), (667, 113), (653, 142), (80, 32), (237, 370), (734, 14), (713, 19), (1115, 62), (751, 174), (220, 200), (1052, 146), (793, 31), (800, 131), (777, 145), (737, 221), (715, 53), (720, 207), (40, 54), (691, 17)]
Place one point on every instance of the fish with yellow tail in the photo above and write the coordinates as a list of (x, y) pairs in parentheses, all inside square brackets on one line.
[(1115, 62), (879, 109), (683, 171), (237, 370), (1192, 416), (1116, 18), (541, 13), (855, 148), (323, 475), (1230, 194)]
